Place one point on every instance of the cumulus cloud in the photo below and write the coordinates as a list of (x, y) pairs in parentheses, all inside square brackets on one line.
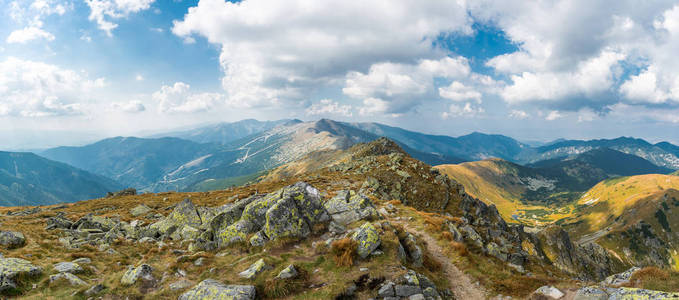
[(30, 15), (178, 98), (28, 34), (104, 12), (133, 106), (402, 86), (518, 114), (274, 51), (329, 107), (457, 91), (36, 89), (466, 111), (577, 54)]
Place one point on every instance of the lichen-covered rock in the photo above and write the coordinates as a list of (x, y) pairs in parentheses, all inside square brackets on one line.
[(139, 210), (95, 289), (72, 279), (602, 293), (68, 267), (620, 278), (368, 239), (211, 289), (12, 239), (254, 269), (285, 219), (288, 272), (189, 233), (132, 275), (289, 212), (230, 213), (258, 239), (183, 214), (348, 207), (12, 269), (549, 292), (94, 222), (58, 222)]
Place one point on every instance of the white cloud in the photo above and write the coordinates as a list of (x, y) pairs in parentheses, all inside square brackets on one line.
[(329, 107), (466, 111), (571, 53), (590, 79), (458, 92), (139, 77), (403, 86), (518, 114), (178, 98), (372, 106), (104, 12), (28, 34), (275, 51), (30, 15), (133, 106), (553, 115), (36, 89)]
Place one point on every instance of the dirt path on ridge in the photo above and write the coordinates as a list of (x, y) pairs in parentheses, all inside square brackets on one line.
[(460, 283)]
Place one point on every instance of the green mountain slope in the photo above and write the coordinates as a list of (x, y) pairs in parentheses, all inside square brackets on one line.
[(474, 146), (28, 179), (661, 154), (135, 162)]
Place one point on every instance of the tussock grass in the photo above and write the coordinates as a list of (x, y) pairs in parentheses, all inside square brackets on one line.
[(343, 251)]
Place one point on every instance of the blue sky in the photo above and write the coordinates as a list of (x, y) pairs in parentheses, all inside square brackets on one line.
[(76, 70)]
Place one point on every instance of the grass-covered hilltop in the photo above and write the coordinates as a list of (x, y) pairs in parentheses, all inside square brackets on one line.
[(367, 222)]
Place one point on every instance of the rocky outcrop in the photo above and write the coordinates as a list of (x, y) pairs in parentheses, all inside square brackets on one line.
[(603, 293), (411, 285), (12, 239), (69, 277), (348, 207), (13, 269), (132, 275), (212, 289), (290, 212), (255, 269), (367, 238)]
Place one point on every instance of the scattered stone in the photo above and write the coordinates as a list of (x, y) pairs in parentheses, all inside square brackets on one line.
[(254, 269), (12, 239), (620, 278), (12, 269), (68, 267), (200, 261), (549, 291), (95, 289), (368, 239), (140, 210), (132, 275), (348, 207), (212, 289), (288, 272), (82, 260), (387, 290), (363, 269), (407, 290), (72, 279)]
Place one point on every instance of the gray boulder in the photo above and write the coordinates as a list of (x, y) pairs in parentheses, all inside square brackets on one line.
[(68, 267), (348, 207), (368, 239), (132, 275), (212, 289), (72, 279), (12, 239), (255, 269), (12, 269), (288, 272), (139, 210)]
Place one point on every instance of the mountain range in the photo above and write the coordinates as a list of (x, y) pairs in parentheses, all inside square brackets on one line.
[(226, 154)]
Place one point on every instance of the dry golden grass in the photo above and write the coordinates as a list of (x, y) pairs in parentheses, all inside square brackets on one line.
[(343, 252)]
